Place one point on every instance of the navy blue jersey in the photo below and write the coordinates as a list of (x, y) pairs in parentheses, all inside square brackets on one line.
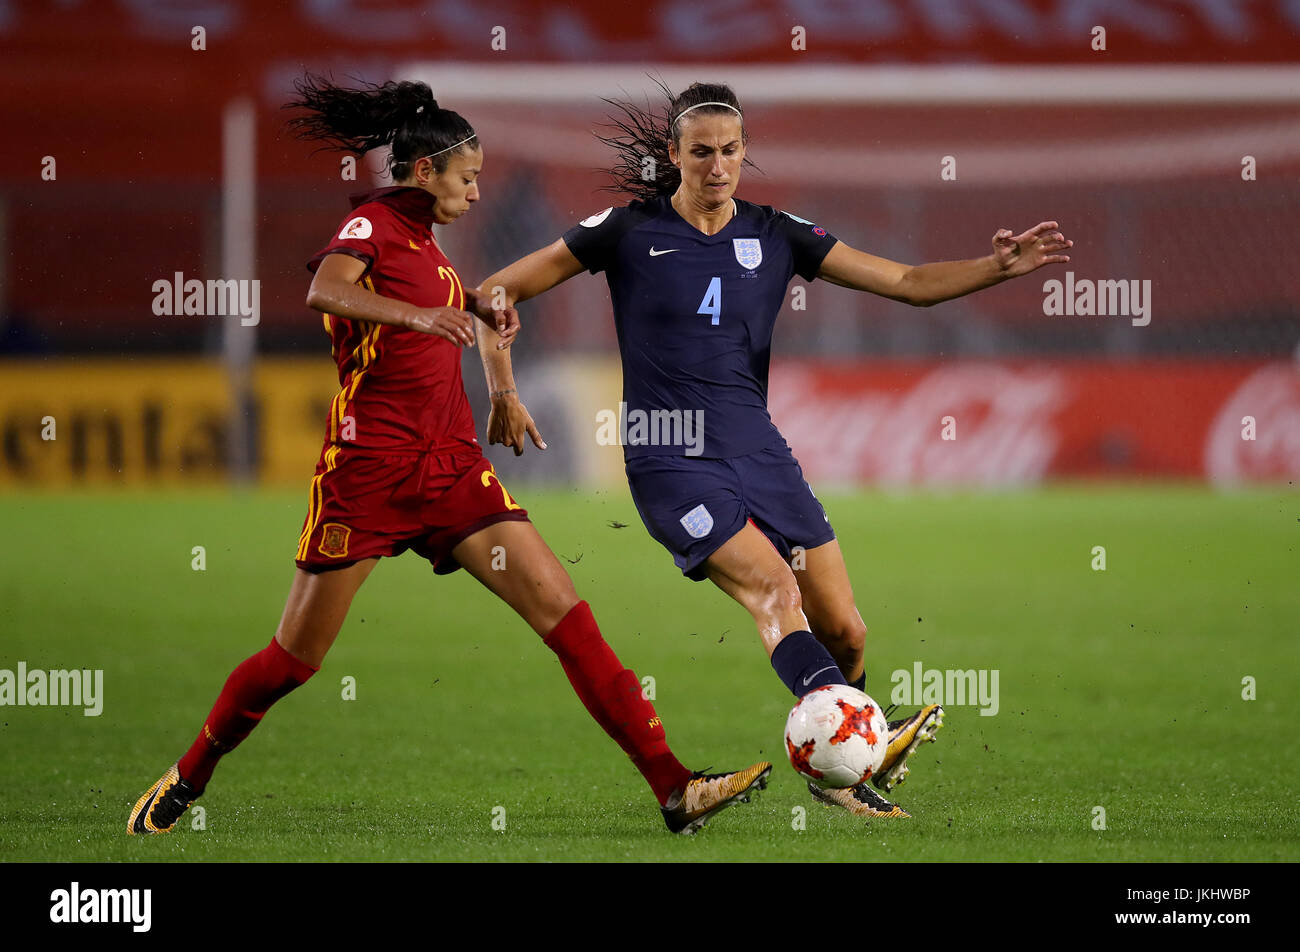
[(694, 315)]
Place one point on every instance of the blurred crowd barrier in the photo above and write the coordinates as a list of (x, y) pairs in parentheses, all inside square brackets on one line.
[(164, 422)]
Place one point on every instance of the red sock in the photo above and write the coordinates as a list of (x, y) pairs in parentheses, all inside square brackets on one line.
[(612, 695), (250, 690)]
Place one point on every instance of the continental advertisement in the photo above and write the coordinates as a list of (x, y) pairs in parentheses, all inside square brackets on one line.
[(167, 422)]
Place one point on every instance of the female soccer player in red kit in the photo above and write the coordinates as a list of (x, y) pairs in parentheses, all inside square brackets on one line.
[(401, 467)]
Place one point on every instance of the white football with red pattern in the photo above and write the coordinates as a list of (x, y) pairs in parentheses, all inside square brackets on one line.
[(836, 736)]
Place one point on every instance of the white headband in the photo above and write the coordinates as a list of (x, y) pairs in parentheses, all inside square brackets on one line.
[(699, 104), (448, 149)]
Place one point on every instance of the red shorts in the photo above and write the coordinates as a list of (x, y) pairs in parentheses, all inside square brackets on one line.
[(365, 505)]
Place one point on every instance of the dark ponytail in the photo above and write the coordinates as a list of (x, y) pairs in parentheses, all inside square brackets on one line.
[(404, 115), (646, 133)]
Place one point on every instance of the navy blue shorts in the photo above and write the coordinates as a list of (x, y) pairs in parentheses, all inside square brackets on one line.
[(693, 505)]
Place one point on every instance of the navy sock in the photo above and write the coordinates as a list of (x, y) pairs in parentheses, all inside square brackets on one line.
[(861, 682), (803, 663)]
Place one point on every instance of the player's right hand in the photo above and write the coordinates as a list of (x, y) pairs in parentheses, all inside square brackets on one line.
[(506, 324), (508, 421), (503, 319), (447, 322)]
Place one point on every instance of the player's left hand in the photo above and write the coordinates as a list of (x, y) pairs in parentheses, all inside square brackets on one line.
[(1021, 254), (509, 420)]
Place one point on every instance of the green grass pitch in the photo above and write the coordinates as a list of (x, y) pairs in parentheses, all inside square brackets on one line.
[(1119, 689)]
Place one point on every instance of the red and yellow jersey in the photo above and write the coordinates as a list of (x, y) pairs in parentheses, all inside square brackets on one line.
[(401, 390)]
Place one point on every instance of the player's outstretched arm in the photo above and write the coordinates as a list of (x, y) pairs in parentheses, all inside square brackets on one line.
[(509, 420), (926, 284), (334, 291), (531, 275)]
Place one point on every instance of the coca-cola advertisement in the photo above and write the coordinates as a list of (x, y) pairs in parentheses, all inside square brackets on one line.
[(1003, 423)]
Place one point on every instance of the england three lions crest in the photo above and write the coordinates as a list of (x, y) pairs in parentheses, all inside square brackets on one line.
[(748, 252), (698, 522)]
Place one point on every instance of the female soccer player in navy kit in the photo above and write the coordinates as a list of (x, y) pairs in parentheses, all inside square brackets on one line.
[(697, 278), (401, 467)]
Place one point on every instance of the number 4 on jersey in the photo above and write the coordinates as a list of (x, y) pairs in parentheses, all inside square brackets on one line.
[(712, 303)]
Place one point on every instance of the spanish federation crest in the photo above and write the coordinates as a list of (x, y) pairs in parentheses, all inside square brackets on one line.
[(748, 252), (334, 540), (698, 522)]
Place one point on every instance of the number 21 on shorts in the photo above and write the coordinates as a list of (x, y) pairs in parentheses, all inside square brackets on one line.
[(712, 303), (489, 475)]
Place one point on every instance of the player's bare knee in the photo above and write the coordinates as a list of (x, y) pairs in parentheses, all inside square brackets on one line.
[(561, 604), (777, 593), (560, 590), (853, 634), (305, 649), (550, 606), (846, 636)]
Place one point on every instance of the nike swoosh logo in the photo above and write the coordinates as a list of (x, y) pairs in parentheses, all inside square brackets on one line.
[(142, 818), (808, 680), (666, 251)]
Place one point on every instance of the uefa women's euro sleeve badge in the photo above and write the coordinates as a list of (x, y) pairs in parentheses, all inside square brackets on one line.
[(358, 227)]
